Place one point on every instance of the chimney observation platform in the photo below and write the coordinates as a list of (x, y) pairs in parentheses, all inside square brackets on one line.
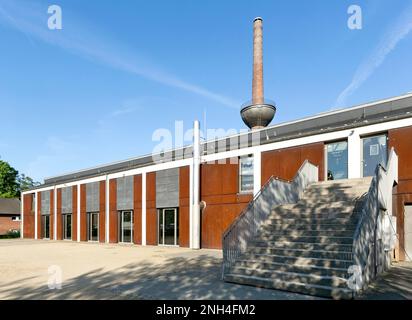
[(258, 113)]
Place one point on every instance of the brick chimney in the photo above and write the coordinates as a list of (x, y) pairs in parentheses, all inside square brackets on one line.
[(257, 86)]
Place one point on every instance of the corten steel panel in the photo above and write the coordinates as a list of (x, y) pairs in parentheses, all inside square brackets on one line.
[(28, 213), (113, 223), (83, 217), (51, 214), (74, 216), (404, 187), (59, 215), (151, 212), (399, 202), (39, 220), (219, 189), (102, 212), (184, 201), (401, 140), (315, 153), (137, 209), (285, 163)]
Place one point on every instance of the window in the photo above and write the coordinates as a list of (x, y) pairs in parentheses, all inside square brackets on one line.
[(337, 160), (45, 225), (67, 226), (93, 226), (168, 226), (246, 174), (126, 226), (374, 151)]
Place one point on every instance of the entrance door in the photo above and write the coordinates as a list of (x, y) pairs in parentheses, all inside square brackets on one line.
[(93, 226), (168, 227), (46, 226), (374, 151), (408, 231), (67, 226), (126, 226), (337, 160)]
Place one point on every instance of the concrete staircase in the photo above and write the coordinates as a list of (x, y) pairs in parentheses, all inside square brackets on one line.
[(306, 247)]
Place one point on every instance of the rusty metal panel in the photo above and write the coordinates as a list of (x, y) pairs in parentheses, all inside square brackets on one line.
[(184, 202), (401, 140), (74, 216), (137, 209), (113, 225)]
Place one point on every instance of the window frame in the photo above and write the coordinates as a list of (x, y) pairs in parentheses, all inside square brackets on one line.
[(249, 191)]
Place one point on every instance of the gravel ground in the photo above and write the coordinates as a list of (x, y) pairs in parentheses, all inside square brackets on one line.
[(103, 271)]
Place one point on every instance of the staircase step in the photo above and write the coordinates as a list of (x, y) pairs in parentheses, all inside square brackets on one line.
[(312, 239), (311, 289), (305, 233), (343, 182), (299, 253), (317, 270), (303, 245), (312, 212), (315, 220), (320, 262), (308, 227), (307, 278)]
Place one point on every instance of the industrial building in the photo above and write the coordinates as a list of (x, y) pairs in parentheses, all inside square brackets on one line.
[(350, 167)]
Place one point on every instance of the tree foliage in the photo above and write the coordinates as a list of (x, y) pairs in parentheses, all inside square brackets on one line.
[(9, 186), (11, 183)]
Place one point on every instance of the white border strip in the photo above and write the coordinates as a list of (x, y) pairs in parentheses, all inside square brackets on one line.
[(323, 137)]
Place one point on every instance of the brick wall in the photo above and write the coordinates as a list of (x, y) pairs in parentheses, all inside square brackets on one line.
[(6, 223)]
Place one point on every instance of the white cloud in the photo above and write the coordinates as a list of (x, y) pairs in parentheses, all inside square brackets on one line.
[(387, 44), (31, 20)]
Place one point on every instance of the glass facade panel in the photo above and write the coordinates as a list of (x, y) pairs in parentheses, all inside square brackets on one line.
[(67, 226), (246, 174), (168, 226), (46, 227), (337, 160), (93, 226), (374, 152), (125, 226)]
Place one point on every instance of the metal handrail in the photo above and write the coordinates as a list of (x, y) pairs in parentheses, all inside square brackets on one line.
[(275, 191), (368, 252)]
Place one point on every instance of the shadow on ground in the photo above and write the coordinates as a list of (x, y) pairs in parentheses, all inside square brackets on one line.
[(176, 278), (396, 284)]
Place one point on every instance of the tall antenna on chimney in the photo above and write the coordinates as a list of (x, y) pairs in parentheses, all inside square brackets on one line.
[(259, 112)]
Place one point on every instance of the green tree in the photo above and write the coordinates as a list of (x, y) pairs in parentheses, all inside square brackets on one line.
[(26, 182), (9, 185)]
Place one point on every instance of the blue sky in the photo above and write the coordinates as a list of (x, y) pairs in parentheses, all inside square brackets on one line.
[(96, 91)]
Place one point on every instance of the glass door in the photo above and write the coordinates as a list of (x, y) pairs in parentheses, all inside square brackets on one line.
[(67, 226), (374, 151), (46, 226), (93, 226), (337, 160), (126, 226), (168, 227)]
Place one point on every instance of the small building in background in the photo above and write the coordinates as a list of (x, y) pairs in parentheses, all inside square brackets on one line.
[(9, 215)]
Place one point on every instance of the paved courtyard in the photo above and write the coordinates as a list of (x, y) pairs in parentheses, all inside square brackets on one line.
[(102, 271)]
